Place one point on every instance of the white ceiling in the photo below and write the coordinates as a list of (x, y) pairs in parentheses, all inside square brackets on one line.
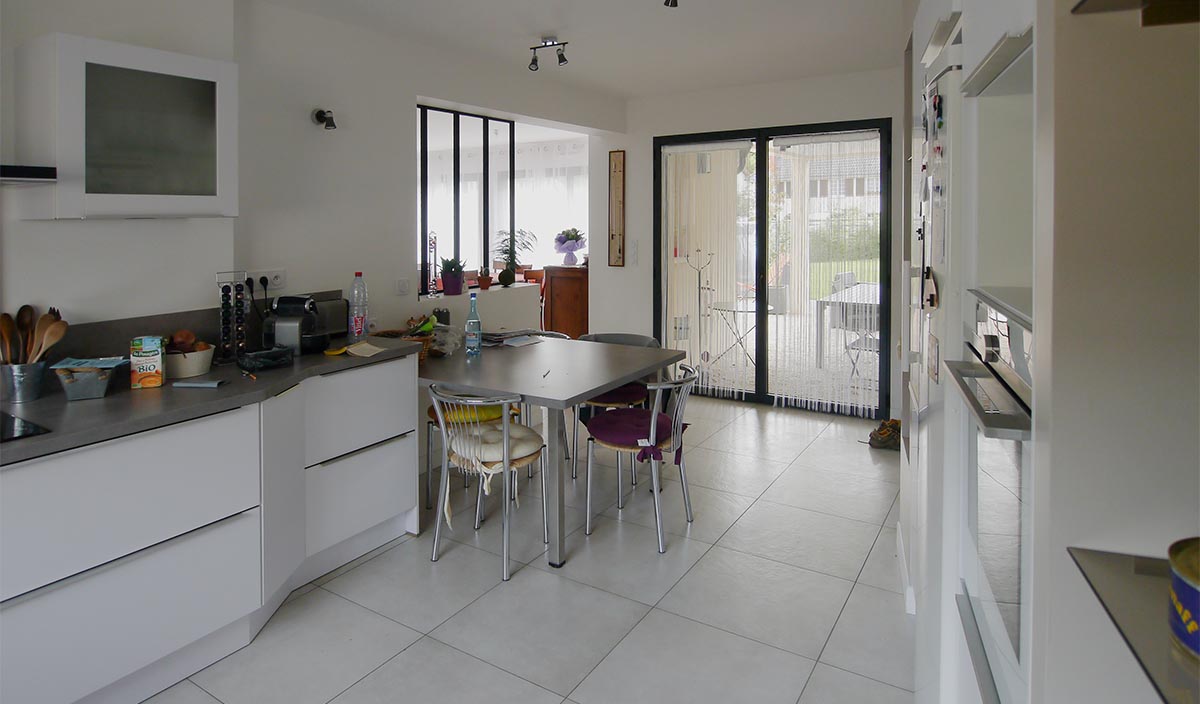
[(640, 47)]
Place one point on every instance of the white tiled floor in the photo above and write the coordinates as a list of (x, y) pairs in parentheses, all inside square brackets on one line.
[(784, 589)]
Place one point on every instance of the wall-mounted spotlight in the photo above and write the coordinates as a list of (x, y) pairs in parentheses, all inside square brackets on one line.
[(547, 43), (324, 117), (671, 3)]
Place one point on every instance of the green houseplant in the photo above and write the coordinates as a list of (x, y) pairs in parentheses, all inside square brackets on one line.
[(509, 250), (452, 276)]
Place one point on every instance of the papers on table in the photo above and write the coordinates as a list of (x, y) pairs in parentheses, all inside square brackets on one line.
[(363, 349)]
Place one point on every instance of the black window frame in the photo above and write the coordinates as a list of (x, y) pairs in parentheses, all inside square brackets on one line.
[(427, 266)]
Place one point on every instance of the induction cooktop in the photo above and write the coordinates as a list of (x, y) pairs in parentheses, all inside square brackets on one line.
[(13, 428)]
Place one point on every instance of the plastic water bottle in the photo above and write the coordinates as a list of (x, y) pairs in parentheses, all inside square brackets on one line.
[(356, 326), (474, 330)]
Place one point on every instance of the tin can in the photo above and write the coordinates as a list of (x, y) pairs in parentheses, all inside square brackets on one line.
[(1184, 556)]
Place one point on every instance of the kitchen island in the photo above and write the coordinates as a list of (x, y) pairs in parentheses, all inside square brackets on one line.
[(153, 532)]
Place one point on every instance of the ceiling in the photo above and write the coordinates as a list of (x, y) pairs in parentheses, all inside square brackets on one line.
[(639, 47)]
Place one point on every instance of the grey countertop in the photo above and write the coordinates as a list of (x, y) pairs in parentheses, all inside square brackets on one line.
[(124, 411)]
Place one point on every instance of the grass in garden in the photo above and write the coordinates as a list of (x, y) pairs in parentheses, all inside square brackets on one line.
[(820, 274)]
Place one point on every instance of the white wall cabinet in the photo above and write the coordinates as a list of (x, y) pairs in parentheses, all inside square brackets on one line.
[(283, 500), (63, 514), (134, 132), (63, 642)]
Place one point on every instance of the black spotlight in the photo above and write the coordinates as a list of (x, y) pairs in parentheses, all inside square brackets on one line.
[(671, 3), (533, 62), (324, 117), (562, 57)]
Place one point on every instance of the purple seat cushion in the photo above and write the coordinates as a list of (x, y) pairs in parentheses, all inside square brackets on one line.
[(625, 426), (627, 395)]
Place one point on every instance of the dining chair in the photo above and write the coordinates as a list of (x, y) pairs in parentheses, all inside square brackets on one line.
[(649, 432), (627, 396), (431, 424), (484, 448)]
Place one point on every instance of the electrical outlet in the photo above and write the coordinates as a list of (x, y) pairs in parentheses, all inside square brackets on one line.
[(402, 287), (276, 278)]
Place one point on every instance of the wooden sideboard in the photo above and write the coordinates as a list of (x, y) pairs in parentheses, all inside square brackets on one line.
[(566, 300)]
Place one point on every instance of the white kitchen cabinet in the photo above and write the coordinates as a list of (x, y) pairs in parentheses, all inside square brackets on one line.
[(68, 512), (66, 640), (283, 503), (134, 132), (986, 22), (355, 492), (349, 410)]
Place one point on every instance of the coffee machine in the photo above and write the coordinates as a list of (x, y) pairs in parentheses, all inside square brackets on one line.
[(295, 323)]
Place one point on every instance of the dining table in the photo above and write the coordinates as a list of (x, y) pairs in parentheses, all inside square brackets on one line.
[(557, 375)]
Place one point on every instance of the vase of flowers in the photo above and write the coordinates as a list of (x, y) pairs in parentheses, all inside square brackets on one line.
[(567, 243)]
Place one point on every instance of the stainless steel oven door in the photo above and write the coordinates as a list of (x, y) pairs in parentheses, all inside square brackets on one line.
[(996, 557)]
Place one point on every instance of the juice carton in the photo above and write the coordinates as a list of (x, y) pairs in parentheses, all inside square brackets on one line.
[(146, 362)]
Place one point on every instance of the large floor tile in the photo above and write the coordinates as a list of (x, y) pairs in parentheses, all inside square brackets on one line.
[(874, 637), (713, 409), (312, 649), (712, 511), (834, 492), (829, 685), (852, 457), (361, 560), (184, 692), (430, 671), (849, 428), (623, 558), (604, 487), (893, 517), (404, 585), (544, 628), (788, 607), (816, 541), (525, 539), (882, 569), (724, 471), (776, 438), (668, 659)]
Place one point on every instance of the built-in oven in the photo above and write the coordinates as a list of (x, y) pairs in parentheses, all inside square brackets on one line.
[(995, 382)]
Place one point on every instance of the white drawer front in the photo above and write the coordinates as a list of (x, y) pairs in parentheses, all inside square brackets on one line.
[(62, 514), (70, 639), (356, 492), (350, 410)]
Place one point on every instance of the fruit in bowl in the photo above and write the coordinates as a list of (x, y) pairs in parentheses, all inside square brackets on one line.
[(187, 356)]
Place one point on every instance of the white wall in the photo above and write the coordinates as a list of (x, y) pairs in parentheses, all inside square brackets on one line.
[(98, 270), (319, 204), (1003, 191), (1117, 285), (622, 299)]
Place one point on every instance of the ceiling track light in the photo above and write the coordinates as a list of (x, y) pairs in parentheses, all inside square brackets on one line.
[(547, 43)]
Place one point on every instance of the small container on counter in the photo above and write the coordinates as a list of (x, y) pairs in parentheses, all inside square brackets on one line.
[(21, 382), (1184, 556), (87, 378), (146, 362)]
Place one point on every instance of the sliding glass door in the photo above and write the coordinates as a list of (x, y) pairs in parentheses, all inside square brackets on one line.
[(771, 262)]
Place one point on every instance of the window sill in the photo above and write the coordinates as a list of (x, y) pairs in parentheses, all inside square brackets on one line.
[(493, 289)]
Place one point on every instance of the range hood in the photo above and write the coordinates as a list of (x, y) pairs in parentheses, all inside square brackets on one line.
[(11, 173)]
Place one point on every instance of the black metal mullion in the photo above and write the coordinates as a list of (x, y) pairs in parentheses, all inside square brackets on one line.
[(761, 230), (457, 186), (424, 236), (487, 197), (512, 187)]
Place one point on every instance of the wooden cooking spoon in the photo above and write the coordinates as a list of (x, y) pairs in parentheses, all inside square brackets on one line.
[(54, 333), (25, 330), (8, 337), (39, 332)]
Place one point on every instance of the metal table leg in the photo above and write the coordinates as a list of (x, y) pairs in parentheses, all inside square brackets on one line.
[(555, 460)]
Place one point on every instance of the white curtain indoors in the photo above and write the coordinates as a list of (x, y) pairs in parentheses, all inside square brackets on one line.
[(552, 194)]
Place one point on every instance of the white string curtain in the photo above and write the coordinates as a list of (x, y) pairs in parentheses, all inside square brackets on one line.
[(708, 255), (552, 194), (823, 271)]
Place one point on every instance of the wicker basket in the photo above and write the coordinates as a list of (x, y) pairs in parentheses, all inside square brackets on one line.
[(425, 341)]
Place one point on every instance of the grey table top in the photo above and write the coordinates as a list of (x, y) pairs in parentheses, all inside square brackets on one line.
[(552, 373), (124, 411)]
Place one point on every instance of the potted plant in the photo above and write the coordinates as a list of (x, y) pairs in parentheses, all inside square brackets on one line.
[(452, 276), (567, 243), (485, 278), (509, 249)]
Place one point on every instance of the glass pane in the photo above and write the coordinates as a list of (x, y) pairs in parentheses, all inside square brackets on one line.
[(441, 189), (499, 172), (470, 209), (149, 133), (823, 254), (709, 255), (552, 190)]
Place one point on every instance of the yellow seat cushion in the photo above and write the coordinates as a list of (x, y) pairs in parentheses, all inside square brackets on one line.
[(463, 414)]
